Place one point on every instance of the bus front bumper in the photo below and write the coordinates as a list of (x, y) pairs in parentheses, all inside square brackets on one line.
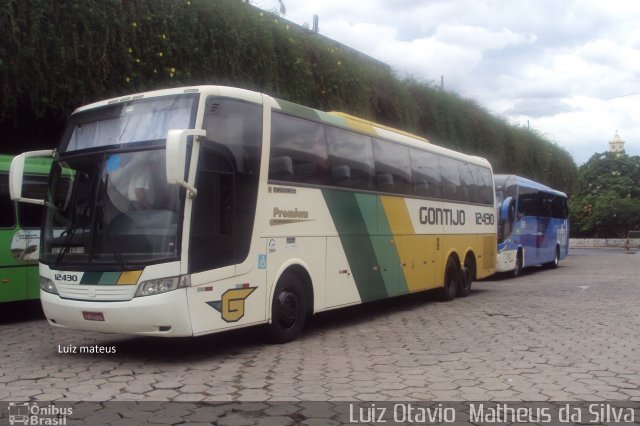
[(165, 314), (506, 260)]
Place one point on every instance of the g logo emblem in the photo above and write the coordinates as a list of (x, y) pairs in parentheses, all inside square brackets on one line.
[(231, 305)]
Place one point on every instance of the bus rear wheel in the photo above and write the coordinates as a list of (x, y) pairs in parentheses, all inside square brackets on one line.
[(451, 280), (288, 310), (556, 260), (467, 276)]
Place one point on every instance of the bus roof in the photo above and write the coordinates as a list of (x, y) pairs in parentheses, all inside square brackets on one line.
[(367, 123), (334, 118), (509, 180), (224, 91), (35, 165)]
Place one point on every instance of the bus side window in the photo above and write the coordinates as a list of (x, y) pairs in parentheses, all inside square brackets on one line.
[(393, 168), (531, 203), (478, 186), (469, 190), (298, 150), (559, 207), (547, 205), (425, 170), (451, 186), (562, 208), (525, 204), (487, 186), (7, 209), (238, 126), (350, 159)]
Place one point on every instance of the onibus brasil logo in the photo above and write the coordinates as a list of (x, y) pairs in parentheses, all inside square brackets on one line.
[(30, 413)]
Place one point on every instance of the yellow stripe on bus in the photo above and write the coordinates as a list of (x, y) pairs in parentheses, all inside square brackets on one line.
[(409, 246), (360, 126), (129, 278), (397, 215)]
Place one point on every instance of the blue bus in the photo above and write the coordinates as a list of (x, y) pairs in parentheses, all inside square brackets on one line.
[(533, 224)]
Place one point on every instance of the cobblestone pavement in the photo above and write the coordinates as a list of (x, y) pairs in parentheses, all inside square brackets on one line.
[(566, 334)]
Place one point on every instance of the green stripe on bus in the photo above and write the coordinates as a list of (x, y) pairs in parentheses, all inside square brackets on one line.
[(384, 243), (356, 243), (298, 110), (332, 119), (91, 278), (109, 278)]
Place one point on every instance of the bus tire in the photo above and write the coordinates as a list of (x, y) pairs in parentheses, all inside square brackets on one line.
[(451, 280), (467, 276), (288, 309), (517, 270), (556, 260)]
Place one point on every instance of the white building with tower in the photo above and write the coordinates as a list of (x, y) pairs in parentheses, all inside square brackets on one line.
[(616, 144)]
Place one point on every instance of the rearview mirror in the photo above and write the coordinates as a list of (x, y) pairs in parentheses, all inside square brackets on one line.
[(16, 175), (176, 156)]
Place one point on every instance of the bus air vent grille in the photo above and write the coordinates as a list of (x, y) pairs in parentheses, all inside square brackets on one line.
[(107, 293)]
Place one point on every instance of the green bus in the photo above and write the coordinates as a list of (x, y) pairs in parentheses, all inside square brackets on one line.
[(20, 231)]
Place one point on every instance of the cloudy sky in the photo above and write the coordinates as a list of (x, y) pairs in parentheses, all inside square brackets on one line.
[(570, 68)]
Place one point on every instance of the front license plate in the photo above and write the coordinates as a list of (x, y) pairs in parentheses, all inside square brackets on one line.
[(93, 316)]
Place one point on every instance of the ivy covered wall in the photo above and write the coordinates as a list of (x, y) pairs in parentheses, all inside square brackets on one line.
[(57, 55)]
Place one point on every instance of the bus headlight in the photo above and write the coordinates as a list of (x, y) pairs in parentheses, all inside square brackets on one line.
[(162, 285), (47, 285)]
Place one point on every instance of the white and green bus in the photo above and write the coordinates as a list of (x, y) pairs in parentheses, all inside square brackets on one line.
[(203, 209)]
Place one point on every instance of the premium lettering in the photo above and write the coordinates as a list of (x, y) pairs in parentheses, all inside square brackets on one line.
[(290, 214)]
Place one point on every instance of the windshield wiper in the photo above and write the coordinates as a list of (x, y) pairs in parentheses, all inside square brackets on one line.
[(68, 241), (65, 244)]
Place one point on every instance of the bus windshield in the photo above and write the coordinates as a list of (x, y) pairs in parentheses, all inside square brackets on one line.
[(109, 204), (118, 210), (129, 122)]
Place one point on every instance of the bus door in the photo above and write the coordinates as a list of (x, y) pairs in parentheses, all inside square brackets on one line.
[(212, 245), (222, 219)]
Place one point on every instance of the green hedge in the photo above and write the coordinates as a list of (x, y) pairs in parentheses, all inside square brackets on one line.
[(58, 55)]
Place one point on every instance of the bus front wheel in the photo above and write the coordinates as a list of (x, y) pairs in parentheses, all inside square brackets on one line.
[(288, 310), (517, 270)]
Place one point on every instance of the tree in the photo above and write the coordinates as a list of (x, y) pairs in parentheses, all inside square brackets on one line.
[(606, 200)]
